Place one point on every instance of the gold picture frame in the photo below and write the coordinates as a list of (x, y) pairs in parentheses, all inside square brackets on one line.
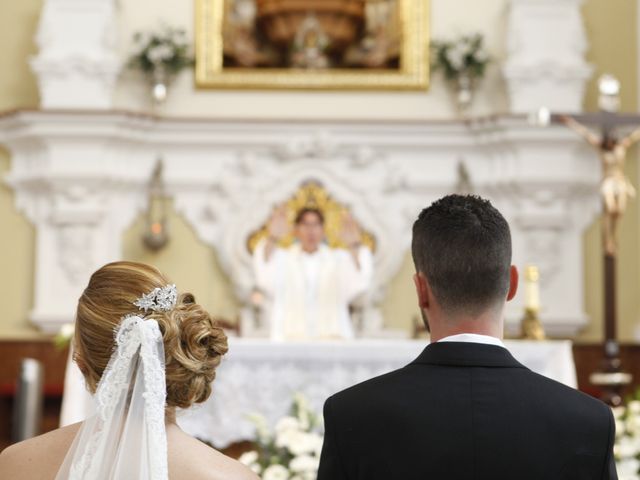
[(411, 73)]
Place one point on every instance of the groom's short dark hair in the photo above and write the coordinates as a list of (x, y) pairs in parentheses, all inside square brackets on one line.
[(462, 244)]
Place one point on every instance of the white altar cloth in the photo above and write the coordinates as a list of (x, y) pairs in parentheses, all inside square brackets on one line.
[(259, 376)]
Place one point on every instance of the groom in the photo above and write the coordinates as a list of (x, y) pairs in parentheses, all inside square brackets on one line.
[(465, 408)]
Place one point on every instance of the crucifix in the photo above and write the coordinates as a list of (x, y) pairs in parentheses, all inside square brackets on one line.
[(599, 130)]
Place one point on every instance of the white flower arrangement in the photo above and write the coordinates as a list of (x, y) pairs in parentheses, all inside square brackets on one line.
[(465, 55), (166, 50), (63, 338), (627, 445), (292, 450)]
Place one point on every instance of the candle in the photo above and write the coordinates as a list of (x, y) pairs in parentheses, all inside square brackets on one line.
[(541, 118), (532, 289)]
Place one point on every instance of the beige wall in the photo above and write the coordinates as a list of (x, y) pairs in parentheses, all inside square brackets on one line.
[(614, 50), (194, 266), (17, 89), (191, 264)]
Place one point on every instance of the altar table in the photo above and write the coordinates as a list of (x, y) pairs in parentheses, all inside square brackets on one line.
[(260, 376)]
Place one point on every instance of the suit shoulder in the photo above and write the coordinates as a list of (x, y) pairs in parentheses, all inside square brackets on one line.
[(368, 387), (570, 400)]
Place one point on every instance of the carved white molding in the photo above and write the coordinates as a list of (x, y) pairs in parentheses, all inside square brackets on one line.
[(80, 178), (546, 45), (77, 63), (73, 183)]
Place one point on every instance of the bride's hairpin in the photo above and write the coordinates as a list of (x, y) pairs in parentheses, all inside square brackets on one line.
[(159, 299)]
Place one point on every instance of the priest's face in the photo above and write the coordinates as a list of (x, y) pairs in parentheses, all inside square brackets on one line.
[(310, 232)]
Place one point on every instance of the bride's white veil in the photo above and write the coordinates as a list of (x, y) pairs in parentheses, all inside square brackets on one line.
[(126, 438)]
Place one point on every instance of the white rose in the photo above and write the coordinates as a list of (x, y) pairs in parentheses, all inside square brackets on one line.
[(67, 330), (304, 463), (634, 407), (303, 443), (628, 468), (248, 458), (166, 51), (317, 449), (275, 472), (153, 55), (287, 423), (481, 56), (626, 448), (160, 53), (632, 424), (286, 438), (300, 443), (455, 55)]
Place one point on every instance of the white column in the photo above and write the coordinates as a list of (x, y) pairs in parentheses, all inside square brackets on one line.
[(80, 192), (546, 44), (77, 64)]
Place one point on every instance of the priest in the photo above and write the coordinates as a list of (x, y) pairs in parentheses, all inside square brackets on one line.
[(310, 285)]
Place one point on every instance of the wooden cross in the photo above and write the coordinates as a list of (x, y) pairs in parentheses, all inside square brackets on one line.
[(599, 130)]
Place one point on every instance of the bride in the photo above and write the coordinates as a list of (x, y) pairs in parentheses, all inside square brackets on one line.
[(143, 350)]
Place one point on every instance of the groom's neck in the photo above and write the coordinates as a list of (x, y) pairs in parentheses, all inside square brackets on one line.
[(490, 324)]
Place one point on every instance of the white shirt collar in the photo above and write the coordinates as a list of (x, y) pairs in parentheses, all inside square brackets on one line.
[(473, 338)]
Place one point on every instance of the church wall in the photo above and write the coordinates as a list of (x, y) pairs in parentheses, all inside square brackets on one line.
[(18, 89), (193, 265), (612, 31)]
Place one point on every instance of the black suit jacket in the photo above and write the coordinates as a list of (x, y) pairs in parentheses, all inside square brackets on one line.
[(466, 411)]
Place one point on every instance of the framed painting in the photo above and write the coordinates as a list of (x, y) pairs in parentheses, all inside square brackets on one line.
[(312, 44)]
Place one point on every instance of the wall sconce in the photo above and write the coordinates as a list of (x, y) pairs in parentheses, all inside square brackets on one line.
[(156, 234)]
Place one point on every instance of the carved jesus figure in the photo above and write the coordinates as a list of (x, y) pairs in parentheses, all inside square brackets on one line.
[(615, 187)]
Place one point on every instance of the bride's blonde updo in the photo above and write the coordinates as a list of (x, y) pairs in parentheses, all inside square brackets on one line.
[(193, 343)]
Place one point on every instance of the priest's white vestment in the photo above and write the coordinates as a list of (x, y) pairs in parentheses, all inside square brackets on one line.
[(309, 293)]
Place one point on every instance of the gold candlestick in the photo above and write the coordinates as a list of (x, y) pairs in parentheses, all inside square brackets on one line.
[(156, 234), (531, 327)]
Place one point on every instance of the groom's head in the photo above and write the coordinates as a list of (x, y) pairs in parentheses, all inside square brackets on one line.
[(462, 253)]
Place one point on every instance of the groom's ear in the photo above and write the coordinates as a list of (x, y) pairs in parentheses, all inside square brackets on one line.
[(422, 289), (513, 282)]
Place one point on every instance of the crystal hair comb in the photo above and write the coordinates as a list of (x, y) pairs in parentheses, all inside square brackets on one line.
[(159, 299)]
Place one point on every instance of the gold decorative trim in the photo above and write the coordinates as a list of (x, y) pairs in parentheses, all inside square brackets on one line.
[(313, 195), (413, 73)]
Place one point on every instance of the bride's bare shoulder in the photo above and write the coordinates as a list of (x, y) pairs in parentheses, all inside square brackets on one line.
[(39, 456), (192, 459)]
